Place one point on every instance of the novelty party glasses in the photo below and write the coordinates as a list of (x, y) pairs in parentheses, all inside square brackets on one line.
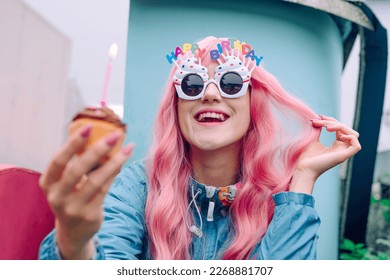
[(232, 76), (230, 85)]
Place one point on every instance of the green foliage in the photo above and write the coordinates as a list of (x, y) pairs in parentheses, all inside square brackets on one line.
[(351, 251)]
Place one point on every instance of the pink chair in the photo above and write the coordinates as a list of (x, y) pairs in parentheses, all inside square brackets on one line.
[(25, 216)]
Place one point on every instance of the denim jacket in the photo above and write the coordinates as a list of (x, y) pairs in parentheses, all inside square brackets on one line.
[(292, 233)]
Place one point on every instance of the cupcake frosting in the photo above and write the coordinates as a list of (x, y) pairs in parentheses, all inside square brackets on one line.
[(100, 113)]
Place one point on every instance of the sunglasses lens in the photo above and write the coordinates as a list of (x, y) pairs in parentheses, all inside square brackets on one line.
[(231, 83), (192, 85)]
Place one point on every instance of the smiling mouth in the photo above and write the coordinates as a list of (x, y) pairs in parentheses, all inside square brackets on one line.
[(211, 117)]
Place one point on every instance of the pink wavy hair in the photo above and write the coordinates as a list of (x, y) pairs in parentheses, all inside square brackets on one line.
[(279, 131)]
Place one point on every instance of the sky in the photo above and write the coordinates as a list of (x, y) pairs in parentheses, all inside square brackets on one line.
[(92, 26)]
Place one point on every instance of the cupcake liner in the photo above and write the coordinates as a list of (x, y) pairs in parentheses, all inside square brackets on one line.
[(100, 128)]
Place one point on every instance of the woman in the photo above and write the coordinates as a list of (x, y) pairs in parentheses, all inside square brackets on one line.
[(230, 173)]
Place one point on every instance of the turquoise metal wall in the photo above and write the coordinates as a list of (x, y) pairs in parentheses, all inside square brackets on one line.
[(301, 47)]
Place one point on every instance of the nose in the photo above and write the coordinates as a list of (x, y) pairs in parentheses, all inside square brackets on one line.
[(211, 93)]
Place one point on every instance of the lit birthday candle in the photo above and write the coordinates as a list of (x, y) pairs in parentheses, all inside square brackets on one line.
[(111, 56)]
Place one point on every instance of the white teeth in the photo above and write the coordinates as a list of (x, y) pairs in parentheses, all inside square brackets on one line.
[(212, 115)]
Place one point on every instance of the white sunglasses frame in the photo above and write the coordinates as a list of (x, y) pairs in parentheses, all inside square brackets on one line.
[(217, 82)]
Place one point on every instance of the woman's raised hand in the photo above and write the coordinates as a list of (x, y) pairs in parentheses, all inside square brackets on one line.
[(317, 158), (75, 190)]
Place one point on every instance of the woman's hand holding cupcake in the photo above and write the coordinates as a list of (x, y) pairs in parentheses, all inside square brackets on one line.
[(75, 188)]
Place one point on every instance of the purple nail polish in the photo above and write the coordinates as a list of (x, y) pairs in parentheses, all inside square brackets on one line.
[(128, 149), (86, 132), (111, 140)]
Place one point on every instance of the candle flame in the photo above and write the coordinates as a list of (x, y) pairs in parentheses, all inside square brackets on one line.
[(113, 51)]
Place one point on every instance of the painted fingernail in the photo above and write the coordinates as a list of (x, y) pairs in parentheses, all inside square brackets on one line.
[(86, 131), (112, 139), (127, 150)]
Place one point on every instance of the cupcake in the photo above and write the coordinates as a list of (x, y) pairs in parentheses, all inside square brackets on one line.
[(104, 121)]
